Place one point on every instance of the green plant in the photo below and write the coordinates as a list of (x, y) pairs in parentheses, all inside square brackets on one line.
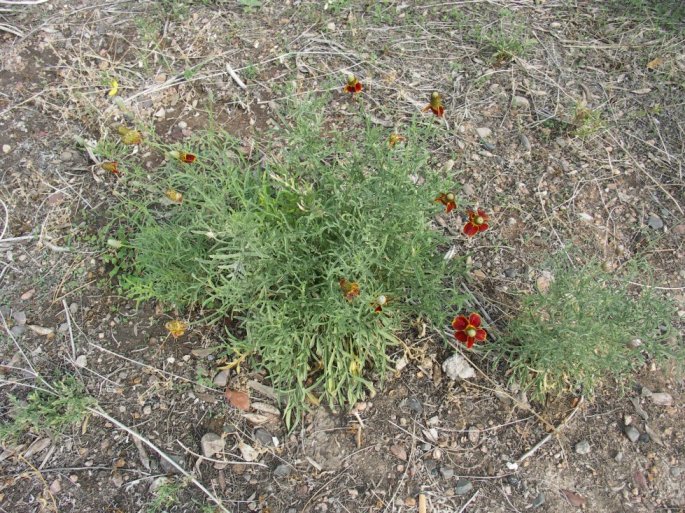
[(586, 121), (165, 496), (590, 326), (268, 244), (506, 40), (48, 410)]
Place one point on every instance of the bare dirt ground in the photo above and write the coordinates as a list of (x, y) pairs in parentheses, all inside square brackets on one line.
[(564, 118)]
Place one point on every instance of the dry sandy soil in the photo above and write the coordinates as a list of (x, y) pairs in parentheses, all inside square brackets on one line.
[(565, 118)]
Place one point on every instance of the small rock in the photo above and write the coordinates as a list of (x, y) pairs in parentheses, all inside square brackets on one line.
[(168, 467), (73, 308), (182, 125), (619, 457), (221, 378), (282, 471), (676, 471), (63, 328), (456, 367), (66, 156), (483, 132), (679, 229), (463, 487), (447, 472), (468, 190), (28, 294), (81, 361), (41, 330), (212, 444), (539, 500), (510, 272), (330, 26), (247, 452), (17, 331), (632, 433), (410, 502), (19, 318), (655, 222), (264, 437), (161, 113), (399, 452), (520, 102), (525, 143), (414, 405), (662, 399), (147, 409), (644, 438), (583, 447), (55, 487), (6, 148)]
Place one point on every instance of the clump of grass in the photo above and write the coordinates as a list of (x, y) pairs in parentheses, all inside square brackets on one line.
[(48, 411), (589, 327), (586, 121), (503, 40), (165, 496), (268, 242)]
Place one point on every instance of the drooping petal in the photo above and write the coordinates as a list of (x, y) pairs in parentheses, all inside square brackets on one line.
[(451, 205), (474, 320), (483, 227), (484, 215), (358, 87), (461, 336), (460, 323), (469, 342), (470, 229), (481, 335)]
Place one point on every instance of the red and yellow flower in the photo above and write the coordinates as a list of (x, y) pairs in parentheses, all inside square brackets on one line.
[(478, 222), (129, 136), (174, 196), (176, 328), (435, 105), (350, 289), (112, 167), (353, 85), (467, 330), (379, 303), (448, 199), (394, 139), (183, 156)]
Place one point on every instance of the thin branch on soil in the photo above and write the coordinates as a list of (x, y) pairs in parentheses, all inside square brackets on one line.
[(71, 332), (463, 508), (235, 77), (170, 461), (11, 29), (22, 2), (549, 436)]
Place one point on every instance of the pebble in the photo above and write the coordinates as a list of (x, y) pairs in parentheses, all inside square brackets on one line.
[(6, 148), (211, 444), (510, 272), (81, 361), (182, 124), (468, 190), (73, 308), (28, 294), (483, 132), (410, 502), (330, 26), (168, 467), (147, 409), (655, 222), (66, 156), (19, 318), (17, 331), (632, 433), (414, 405), (679, 229), (539, 500), (583, 447), (447, 472), (463, 487), (221, 378), (456, 367), (282, 471), (264, 437), (676, 471), (619, 457), (520, 102), (644, 438), (662, 399), (161, 113)]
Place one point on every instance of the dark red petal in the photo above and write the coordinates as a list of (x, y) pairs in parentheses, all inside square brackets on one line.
[(460, 323), (474, 320), (483, 227), (358, 87), (481, 335), (440, 111), (451, 205), (470, 341), (472, 215), (470, 229), (378, 309), (460, 336)]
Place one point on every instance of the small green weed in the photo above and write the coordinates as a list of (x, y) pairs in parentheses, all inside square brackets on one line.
[(48, 412), (166, 495), (585, 330), (586, 121), (268, 243), (505, 40)]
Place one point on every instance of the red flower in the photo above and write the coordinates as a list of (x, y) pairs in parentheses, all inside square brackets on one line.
[(188, 158), (447, 199), (112, 167), (350, 288), (353, 85), (478, 222), (467, 330), (435, 106)]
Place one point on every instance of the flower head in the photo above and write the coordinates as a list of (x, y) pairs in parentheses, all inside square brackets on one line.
[(353, 85), (129, 136), (176, 328), (187, 158), (448, 199), (478, 222), (394, 139), (435, 105), (467, 330), (379, 303), (113, 88), (350, 289), (112, 167), (174, 196)]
